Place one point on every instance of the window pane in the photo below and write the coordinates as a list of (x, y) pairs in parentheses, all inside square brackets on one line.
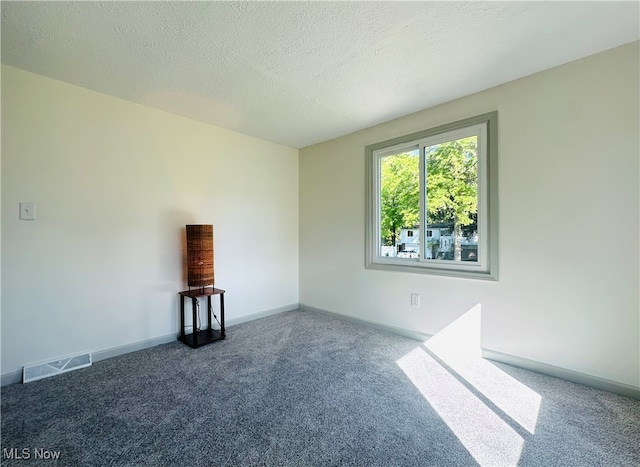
[(452, 200), (400, 205)]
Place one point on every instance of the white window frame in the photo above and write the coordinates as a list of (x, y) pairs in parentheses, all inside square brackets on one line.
[(485, 128)]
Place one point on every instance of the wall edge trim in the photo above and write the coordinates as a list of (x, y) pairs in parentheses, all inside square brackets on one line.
[(16, 376), (261, 314), (374, 324), (623, 389), (596, 382)]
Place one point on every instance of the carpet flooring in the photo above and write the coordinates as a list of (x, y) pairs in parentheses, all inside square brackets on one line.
[(303, 389)]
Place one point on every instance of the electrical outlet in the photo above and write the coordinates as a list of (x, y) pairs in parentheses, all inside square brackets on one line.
[(27, 211), (415, 300)]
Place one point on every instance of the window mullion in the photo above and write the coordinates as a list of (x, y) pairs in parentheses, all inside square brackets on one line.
[(378, 206), (423, 203)]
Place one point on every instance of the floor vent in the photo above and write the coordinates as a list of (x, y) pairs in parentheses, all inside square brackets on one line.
[(44, 370)]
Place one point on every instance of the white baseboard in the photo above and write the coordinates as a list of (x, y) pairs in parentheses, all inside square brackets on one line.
[(615, 387), (11, 378), (133, 347), (532, 365), (374, 324), (604, 384), (260, 314), (16, 376)]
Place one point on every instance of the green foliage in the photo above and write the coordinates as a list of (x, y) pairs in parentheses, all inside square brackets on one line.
[(452, 182), (452, 189), (400, 195), (452, 186)]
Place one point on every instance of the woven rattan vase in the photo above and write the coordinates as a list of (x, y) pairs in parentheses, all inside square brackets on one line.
[(200, 255)]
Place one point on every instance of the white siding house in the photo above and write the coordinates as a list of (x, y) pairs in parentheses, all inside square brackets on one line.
[(439, 243)]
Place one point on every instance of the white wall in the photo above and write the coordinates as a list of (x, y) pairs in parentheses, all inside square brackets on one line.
[(115, 183), (568, 158)]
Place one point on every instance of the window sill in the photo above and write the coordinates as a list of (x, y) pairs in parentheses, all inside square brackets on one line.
[(421, 268)]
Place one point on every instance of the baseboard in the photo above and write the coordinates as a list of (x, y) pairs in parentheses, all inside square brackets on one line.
[(16, 376), (623, 389), (260, 314), (133, 347), (373, 324), (604, 384), (11, 378)]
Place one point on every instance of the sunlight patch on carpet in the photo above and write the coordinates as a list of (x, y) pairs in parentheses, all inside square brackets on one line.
[(447, 366), (458, 346), (488, 438)]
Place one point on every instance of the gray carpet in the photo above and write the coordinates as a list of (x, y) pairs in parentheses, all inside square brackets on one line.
[(301, 389)]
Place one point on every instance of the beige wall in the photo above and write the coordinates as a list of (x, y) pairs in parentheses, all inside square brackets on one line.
[(568, 193), (115, 183)]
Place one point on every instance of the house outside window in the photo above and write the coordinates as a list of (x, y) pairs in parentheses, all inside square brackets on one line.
[(443, 180)]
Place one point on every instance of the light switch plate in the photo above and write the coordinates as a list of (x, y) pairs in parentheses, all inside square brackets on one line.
[(27, 211)]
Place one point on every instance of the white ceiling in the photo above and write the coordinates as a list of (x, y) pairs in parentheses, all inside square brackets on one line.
[(298, 73)]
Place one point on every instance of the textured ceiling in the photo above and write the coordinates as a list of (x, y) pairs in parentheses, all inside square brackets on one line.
[(298, 73)]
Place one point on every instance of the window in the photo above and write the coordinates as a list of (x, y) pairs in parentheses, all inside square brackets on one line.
[(441, 181)]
